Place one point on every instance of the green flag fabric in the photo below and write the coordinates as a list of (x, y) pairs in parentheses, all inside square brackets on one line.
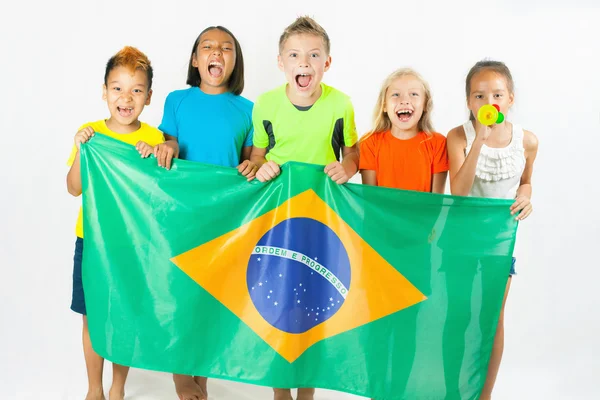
[(298, 282)]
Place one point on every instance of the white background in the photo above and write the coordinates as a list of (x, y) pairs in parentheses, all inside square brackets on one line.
[(52, 59)]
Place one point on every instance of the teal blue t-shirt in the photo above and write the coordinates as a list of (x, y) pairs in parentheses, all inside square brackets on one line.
[(211, 129)]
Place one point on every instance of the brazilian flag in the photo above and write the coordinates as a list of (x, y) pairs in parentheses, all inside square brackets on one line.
[(298, 282)]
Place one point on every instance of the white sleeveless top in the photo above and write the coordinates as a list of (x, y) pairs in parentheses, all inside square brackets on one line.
[(498, 172)]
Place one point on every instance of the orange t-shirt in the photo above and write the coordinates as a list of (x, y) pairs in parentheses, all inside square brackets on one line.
[(404, 164)]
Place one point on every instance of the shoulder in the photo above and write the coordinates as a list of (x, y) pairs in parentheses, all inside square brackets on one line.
[(244, 102), (334, 95), (97, 126), (437, 137), (457, 135), (273, 95), (177, 95), (149, 130), (371, 139), (530, 141)]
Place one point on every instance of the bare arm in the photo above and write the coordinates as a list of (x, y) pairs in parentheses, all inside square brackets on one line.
[(438, 184), (462, 169), (246, 152), (350, 160), (369, 177), (74, 177), (257, 156), (165, 152), (342, 172), (74, 174), (522, 202)]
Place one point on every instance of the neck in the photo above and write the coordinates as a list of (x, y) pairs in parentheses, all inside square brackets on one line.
[(303, 101), (118, 128), (404, 134), (213, 89)]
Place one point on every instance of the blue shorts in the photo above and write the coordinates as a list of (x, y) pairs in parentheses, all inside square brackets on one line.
[(78, 301), (512, 267)]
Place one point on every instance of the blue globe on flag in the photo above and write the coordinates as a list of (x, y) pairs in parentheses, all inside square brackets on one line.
[(298, 275)]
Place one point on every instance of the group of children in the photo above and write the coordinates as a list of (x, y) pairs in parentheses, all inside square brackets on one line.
[(308, 121)]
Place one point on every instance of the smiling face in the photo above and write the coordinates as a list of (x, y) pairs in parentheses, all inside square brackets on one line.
[(215, 59), (304, 61), (405, 101), (126, 93), (489, 87)]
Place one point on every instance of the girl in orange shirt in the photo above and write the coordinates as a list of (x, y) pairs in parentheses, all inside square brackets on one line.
[(403, 151)]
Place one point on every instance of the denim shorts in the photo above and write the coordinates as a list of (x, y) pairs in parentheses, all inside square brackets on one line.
[(78, 300), (512, 267)]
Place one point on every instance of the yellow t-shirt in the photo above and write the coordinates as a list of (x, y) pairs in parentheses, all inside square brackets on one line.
[(146, 133)]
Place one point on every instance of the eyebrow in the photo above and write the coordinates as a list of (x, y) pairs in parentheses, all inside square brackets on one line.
[(315, 49), (494, 90), (410, 88), (209, 40), (118, 83)]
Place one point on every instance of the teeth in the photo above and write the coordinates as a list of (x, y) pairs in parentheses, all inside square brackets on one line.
[(304, 75), (401, 112), (215, 64)]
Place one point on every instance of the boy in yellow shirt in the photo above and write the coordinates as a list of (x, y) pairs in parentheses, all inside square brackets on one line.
[(127, 89)]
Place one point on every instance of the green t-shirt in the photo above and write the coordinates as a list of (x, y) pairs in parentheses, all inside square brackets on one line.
[(314, 134)]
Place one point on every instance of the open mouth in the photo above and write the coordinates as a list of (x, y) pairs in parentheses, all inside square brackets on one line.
[(404, 115), (125, 112), (303, 80), (215, 69)]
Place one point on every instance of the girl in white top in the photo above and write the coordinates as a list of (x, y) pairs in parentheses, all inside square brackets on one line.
[(492, 161)]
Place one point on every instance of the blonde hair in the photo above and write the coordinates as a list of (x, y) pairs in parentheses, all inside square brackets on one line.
[(381, 121), (305, 26)]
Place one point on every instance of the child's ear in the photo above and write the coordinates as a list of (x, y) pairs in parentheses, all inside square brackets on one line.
[(327, 63), (280, 62), (149, 97), (194, 62), (104, 90), (512, 99)]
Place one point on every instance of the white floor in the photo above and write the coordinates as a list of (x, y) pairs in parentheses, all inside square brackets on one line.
[(46, 362)]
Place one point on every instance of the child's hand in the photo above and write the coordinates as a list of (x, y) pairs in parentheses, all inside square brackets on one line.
[(483, 132), (522, 204), (337, 172), (83, 136), (144, 149), (164, 153), (268, 171), (248, 169)]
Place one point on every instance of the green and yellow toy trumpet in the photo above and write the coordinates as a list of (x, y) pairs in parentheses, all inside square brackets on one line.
[(490, 114)]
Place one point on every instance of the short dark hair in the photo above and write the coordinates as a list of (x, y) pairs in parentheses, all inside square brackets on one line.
[(131, 58), (236, 80), (489, 65)]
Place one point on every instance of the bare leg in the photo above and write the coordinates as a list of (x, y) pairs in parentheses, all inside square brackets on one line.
[(187, 388), (94, 365), (306, 394), (117, 390), (497, 350), (202, 382), (282, 394)]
